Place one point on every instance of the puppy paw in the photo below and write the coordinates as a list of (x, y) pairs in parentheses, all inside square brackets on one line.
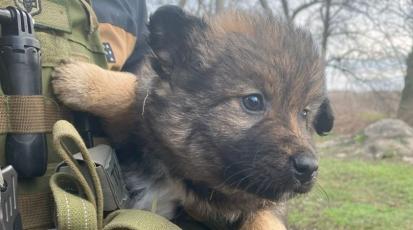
[(264, 220), (72, 83)]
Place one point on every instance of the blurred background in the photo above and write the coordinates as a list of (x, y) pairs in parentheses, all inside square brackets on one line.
[(366, 173)]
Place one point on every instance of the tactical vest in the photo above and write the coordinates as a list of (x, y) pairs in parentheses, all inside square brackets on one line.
[(65, 29)]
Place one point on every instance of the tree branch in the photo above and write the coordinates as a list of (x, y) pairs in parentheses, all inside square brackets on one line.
[(286, 9), (326, 28), (182, 3), (266, 7), (303, 7), (219, 6)]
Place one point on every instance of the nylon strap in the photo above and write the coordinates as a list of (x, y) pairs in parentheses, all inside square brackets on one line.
[(64, 133), (27, 114), (137, 220), (93, 21), (74, 211), (36, 210), (78, 206)]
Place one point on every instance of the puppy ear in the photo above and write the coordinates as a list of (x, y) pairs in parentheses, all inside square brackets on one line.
[(169, 37), (324, 119)]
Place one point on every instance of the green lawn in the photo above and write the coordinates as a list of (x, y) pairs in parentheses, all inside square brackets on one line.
[(356, 194)]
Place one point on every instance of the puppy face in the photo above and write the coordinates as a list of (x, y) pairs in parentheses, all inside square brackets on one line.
[(236, 102)]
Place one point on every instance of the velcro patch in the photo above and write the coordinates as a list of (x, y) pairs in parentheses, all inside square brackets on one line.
[(32, 7)]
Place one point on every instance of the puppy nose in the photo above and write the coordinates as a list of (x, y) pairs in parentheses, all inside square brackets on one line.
[(305, 167)]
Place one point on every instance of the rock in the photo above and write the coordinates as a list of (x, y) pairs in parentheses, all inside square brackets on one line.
[(388, 128), (387, 148), (389, 138), (337, 141), (408, 160), (341, 155)]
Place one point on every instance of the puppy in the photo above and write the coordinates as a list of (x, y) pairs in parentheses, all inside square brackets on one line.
[(218, 120)]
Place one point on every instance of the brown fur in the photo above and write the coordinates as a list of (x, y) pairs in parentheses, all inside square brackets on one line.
[(263, 220), (107, 94), (233, 164), (231, 22)]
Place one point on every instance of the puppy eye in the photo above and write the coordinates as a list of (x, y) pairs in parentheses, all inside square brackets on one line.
[(304, 113), (253, 102)]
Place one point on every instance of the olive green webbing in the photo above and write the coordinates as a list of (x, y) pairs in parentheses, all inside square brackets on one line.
[(42, 216), (78, 206), (73, 211), (137, 220), (63, 134), (65, 29), (93, 20), (27, 114)]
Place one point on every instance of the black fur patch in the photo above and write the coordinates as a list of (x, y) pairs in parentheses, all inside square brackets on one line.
[(170, 28), (324, 120)]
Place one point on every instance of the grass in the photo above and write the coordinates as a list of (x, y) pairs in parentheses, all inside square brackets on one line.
[(371, 116), (356, 194)]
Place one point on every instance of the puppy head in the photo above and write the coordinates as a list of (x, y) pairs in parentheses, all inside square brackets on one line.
[(236, 102)]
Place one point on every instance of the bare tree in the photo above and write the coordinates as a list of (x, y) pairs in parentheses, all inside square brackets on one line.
[(326, 18), (405, 111), (266, 7), (406, 103), (219, 6), (289, 13), (182, 3)]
